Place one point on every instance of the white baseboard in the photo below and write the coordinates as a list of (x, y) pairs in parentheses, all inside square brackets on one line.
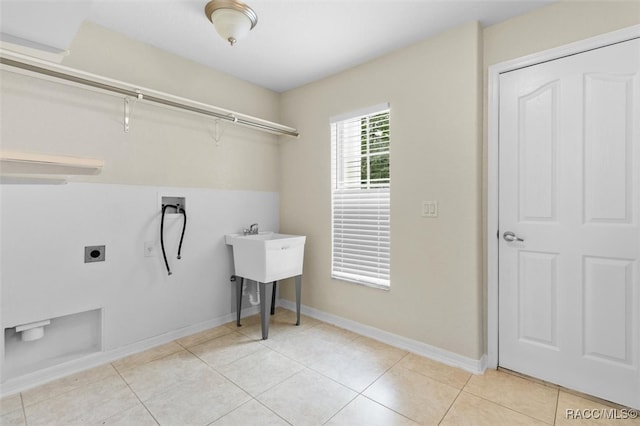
[(49, 374), (27, 381), (475, 366)]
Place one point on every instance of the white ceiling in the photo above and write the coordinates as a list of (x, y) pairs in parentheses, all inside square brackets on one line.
[(294, 43)]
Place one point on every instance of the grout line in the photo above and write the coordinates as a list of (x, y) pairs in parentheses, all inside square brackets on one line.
[(246, 391), (259, 402), (388, 408), (285, 355), (341, 408), (146, 362), (214, 368), (361, 393), (455, 399), (137, 397), (71, 388), (206, 340), (24, 411), (242, 405), (555, 417), (210, 367), (308, 367), (504, 406), (467, 382), (330, 378), (450, 405), (279, 383), (232, 410), (442, 382), (383, 373)]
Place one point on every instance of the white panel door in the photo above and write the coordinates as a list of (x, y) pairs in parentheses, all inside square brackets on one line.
[(569, 293)]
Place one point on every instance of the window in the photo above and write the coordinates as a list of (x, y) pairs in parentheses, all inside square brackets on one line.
[(360, 197)]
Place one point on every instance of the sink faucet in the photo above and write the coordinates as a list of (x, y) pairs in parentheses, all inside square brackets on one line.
[(253, 230)]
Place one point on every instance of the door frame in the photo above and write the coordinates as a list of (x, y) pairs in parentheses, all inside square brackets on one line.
[(493, 152)]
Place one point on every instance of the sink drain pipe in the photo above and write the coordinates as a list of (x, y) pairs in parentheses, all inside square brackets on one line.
[(255, 301)]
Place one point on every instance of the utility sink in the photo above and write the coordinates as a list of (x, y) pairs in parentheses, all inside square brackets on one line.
[(267, 256)]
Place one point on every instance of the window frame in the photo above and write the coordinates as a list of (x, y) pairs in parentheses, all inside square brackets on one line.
[(379, 192)]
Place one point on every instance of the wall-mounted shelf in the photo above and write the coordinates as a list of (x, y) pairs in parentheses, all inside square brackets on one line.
[(23, 167), (32, 49)]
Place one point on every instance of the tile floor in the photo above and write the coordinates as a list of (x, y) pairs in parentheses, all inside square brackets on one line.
[(313, 374)]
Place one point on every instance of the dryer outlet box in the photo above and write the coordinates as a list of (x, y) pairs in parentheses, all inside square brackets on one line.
[(94, 254)]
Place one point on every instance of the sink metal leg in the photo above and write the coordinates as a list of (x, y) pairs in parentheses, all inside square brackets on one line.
[(264, 316), (273, 297), (298, 291), (239, 284)]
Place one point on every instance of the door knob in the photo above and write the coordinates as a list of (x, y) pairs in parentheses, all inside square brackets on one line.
[(511, 237)]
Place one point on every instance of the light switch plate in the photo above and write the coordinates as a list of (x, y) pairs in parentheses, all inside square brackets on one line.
[(429, 209)]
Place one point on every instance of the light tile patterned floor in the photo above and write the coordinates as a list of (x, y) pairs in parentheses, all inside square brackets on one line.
[(313, 374)]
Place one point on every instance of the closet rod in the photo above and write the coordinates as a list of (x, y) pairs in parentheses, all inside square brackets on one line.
[(149, 95)]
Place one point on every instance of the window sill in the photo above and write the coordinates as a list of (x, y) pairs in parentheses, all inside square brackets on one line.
[(385, 287)]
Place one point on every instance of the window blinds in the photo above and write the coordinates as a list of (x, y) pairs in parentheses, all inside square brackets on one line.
[(361, 197)]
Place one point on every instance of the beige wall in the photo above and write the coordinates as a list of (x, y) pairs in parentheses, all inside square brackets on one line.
[(164, 146), (545, 28), (434, 92), (556, 25)]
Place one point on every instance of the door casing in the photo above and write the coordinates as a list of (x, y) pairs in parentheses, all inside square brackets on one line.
[(493, 146)]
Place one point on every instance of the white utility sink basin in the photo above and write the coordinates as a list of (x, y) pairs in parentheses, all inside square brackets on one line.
[(267, 256)]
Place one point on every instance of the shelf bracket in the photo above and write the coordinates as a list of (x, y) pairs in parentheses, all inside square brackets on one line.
[(218, 130), (217, 133), (128, 109), (127, 115)]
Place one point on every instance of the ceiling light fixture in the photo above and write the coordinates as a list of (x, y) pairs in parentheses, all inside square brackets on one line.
[(232, 19)]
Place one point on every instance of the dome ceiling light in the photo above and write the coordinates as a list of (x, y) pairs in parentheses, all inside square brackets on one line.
[(232, 19)]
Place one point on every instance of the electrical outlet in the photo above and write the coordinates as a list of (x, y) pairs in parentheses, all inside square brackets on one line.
[(94, 254), (429, 209), (149, 248)]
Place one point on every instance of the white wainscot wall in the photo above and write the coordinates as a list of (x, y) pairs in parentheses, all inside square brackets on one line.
[(43, 232)]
